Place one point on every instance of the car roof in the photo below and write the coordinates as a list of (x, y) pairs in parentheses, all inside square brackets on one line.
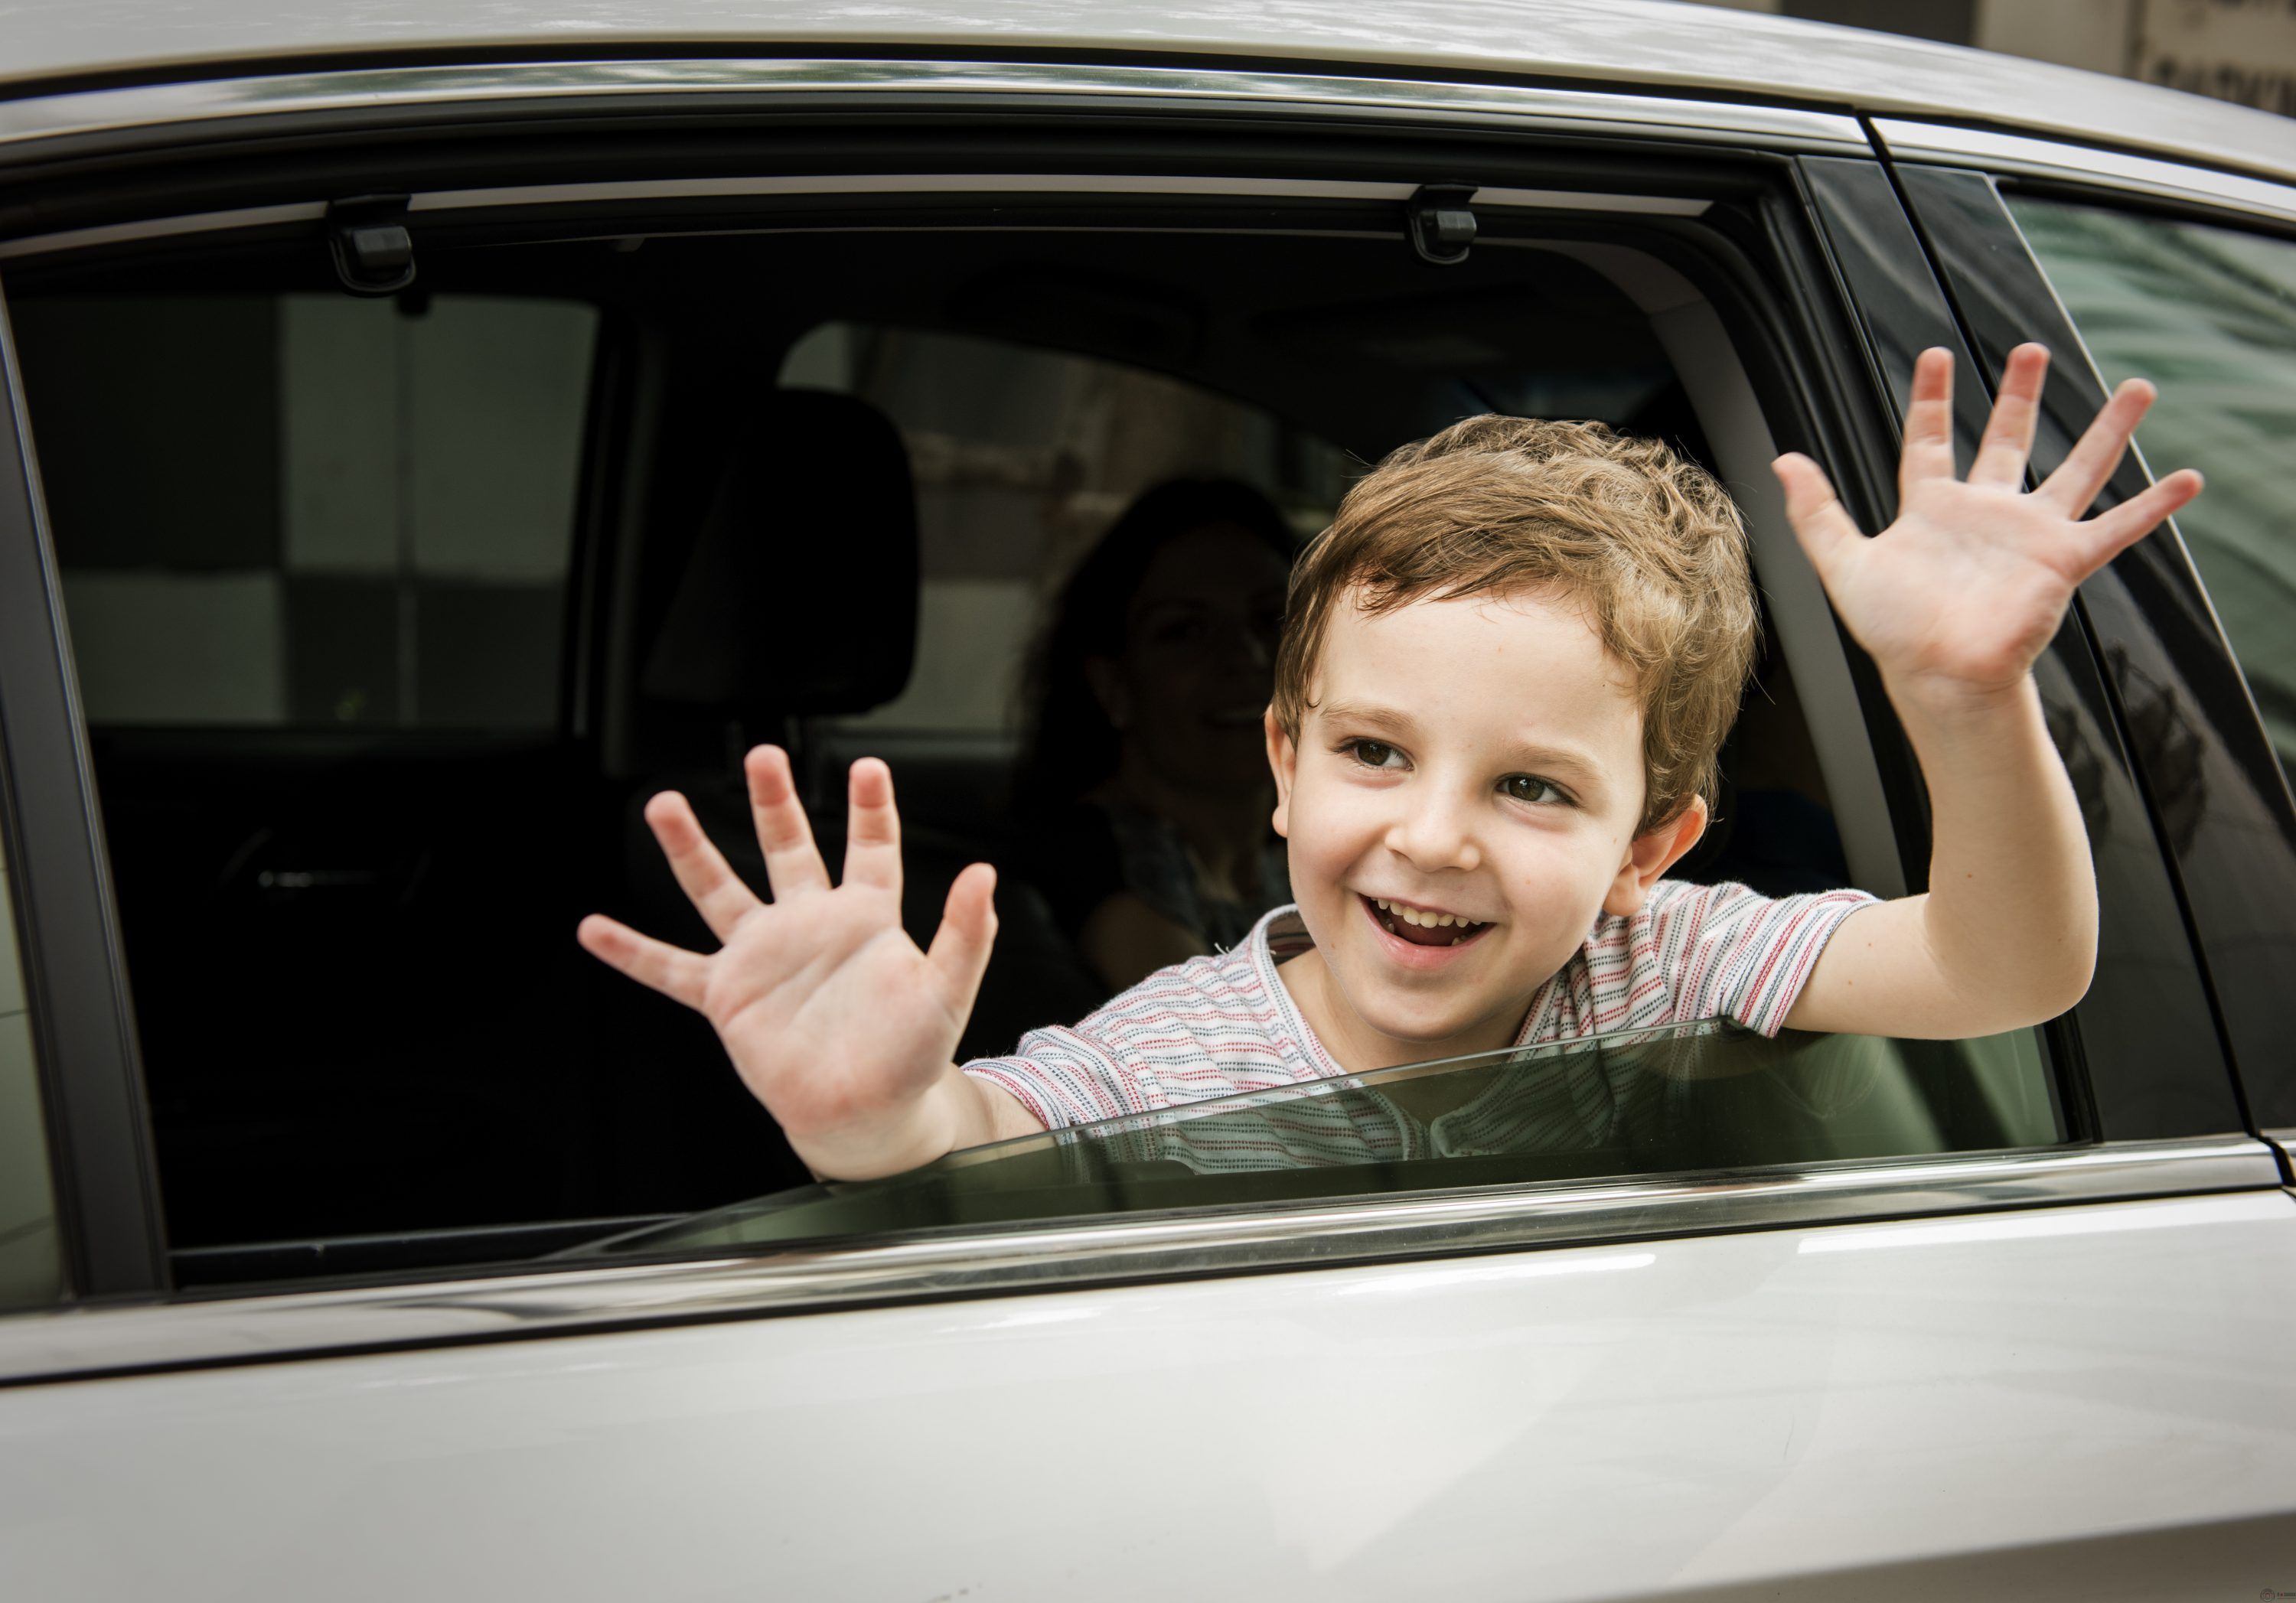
[(1644, 43)]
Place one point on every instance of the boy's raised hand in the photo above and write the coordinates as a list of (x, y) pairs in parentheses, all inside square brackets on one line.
[(1958, 597), (835, 1020)]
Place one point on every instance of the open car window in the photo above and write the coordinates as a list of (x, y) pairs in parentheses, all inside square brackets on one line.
[(369, 1041), (1683, 1099)]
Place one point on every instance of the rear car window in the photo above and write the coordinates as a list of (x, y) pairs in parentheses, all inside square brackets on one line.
[(311, 510), (2209, 315)]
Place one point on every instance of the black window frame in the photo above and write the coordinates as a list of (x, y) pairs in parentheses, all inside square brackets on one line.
[(83, 1021)]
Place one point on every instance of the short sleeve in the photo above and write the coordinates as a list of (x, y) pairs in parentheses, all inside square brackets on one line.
[(1062, 1077), (1206, 1027), (1731, 953)]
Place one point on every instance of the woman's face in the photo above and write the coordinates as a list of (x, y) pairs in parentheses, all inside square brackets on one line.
[(1196, 665)]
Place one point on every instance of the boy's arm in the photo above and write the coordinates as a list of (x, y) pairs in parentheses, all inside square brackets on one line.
[(1955, 601), (836, 1022)]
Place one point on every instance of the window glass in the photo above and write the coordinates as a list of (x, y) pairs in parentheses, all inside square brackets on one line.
[(31, 1253), (1023, 457), (2210, 316), (311, 510), (1683, 1099)]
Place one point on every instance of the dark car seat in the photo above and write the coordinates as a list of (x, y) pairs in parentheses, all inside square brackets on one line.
[(799, 601)]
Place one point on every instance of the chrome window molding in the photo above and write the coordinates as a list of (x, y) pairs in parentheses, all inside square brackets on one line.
[(527, 1303), (158, 228), (2017, 154), (1013, 183), (1081, 184), (165, 109)]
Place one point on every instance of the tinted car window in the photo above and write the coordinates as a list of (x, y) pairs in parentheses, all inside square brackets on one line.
[(2210, 316), (1696, 1097), (314, 553), (311, 510)]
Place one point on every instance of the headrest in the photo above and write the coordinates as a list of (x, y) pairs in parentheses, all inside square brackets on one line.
[(800, 597)]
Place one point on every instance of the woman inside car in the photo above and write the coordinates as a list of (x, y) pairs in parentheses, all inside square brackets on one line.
[(1145, 785)]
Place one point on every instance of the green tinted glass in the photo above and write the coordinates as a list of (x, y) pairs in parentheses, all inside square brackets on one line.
[(2210, 316), (1689, 1098)]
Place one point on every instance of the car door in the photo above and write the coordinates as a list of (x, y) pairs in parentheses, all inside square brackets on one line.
[(1910, 1318)]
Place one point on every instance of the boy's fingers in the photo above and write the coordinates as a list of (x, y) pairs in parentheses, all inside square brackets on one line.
[(676, 974), (1928, 451), (2009, 432), (873, 837), (2109, 534), (2096, 454), (794, 864), (968, 930), (1818, 519), (718, 895)]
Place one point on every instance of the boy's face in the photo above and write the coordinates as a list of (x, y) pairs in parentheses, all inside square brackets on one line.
[(1475, 758)]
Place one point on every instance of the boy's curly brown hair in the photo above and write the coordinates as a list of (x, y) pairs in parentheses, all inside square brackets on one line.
[(1648, 543)]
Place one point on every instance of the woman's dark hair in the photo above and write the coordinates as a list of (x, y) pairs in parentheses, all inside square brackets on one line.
[(1071, 746)]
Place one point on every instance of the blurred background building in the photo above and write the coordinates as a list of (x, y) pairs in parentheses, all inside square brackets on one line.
[(2235, 50)]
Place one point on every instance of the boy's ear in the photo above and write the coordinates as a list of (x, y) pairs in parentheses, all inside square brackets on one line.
[(1283, 760), (1650, 854), (1106, 682)]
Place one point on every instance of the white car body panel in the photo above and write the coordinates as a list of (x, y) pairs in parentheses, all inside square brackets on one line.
[(1634, 43), (2042, 1402), (2020, 1403)]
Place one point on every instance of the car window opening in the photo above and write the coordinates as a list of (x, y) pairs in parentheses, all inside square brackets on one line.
[(334, 648)]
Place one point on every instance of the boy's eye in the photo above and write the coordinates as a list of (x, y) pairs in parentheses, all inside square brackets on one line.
[(1372, 754), (1529, 788)]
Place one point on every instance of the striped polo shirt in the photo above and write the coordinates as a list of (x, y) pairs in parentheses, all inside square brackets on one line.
[(1224, 1024)]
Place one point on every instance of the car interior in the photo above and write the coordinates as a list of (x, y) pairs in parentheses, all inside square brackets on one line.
[(411, 602)]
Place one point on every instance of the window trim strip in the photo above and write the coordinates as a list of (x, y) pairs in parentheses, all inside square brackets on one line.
[(1075, 185), (526, 1304), (28, 122), (2085, 165)]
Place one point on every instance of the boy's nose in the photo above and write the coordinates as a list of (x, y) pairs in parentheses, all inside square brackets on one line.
[(1434, 836)]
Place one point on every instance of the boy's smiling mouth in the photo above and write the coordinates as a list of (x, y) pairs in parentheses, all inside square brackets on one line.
[(1421, 927)]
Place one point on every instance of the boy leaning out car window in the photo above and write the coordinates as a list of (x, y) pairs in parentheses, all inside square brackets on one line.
[(1506, 671)]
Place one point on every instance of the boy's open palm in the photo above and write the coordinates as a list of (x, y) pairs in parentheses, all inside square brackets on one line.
[(1961, 594), (836, 1022)]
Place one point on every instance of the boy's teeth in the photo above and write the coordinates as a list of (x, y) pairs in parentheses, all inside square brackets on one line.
[(1425, 921)]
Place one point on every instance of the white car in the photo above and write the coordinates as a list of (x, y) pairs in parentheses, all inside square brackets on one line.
[(441, 427)]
